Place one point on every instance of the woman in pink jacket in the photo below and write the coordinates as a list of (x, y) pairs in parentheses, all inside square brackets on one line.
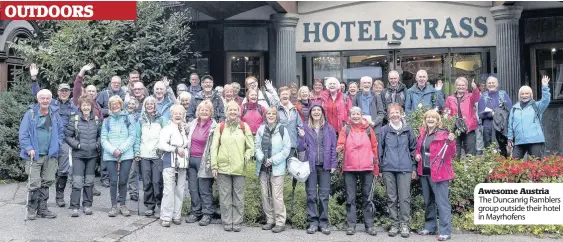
[(434, 153), (462, 104), (359, 144), (252, 112)]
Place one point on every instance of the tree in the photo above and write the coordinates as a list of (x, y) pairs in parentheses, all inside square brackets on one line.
[(157, 44)]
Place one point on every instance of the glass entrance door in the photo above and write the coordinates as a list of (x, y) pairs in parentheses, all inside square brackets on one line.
[(242, 65)]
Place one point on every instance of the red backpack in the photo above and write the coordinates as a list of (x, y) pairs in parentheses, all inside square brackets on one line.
[(222, 127)]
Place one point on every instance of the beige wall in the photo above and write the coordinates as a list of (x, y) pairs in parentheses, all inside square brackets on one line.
[(387, 13)]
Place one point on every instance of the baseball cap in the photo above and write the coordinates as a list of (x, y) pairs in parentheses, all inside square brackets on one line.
[(64, 86)]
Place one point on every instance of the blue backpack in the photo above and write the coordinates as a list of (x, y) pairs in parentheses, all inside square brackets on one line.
[(127, 122)]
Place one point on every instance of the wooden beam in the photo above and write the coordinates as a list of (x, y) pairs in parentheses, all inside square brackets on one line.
[(284, 6)]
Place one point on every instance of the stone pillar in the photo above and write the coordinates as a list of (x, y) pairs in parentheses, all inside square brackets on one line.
[(508, 48), (282, 64)]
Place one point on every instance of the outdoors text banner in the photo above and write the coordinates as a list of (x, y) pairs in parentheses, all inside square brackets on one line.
[(62, 10), (518, 203)]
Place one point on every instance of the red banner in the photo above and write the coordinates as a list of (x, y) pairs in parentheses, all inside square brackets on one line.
[(63, 10)]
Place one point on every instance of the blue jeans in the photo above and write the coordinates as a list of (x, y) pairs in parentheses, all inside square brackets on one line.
[(122, 175), (320, 177), (436, 199)]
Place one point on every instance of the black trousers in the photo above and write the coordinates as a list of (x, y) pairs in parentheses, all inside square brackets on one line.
[(83, 170), (120, 188), (500, 138), (151, 174), (350, 184), (535, 150), (468, 142)]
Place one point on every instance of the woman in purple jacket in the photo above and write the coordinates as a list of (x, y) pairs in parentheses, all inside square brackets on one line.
[(319, 144), (491, 101)]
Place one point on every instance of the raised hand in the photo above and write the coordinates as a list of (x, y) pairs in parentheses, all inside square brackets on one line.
[(545, 80), (166, 81), (473, 85), (33, 70), (268, 84), (88, 67), (439, 85)]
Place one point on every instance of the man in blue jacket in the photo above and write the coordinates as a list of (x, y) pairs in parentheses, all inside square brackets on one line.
[(64, 106), (40, 136), (423, 94)]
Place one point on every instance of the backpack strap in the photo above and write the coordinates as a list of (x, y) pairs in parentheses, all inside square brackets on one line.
[(265, 96), (221, 127), (537, 111), (242, 127), (76, 117), (107, 122), (347, 130), (281, 130)]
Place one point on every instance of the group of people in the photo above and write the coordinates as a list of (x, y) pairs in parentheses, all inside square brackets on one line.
[(203, 135)]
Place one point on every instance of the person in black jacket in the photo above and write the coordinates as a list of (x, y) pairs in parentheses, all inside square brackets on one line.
[(398, 166), (82, 134)]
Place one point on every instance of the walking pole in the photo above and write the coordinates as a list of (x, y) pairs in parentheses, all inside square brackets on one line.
[(138, 192), (371, 194), (28, 189)]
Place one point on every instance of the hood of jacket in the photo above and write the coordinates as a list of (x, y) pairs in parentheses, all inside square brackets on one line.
[(311, 111)]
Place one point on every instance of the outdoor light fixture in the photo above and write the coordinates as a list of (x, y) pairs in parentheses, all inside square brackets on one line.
[(553, 50), (394, 42)]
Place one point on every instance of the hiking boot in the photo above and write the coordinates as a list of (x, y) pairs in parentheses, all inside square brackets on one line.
[(444, 237), (87, 210), (177, 221), (134, 197), (113, 211), (149, 212), (350, 231), (60, 202), (372, 231), (325, 230), (165, 223), (393, 231), (237, 228), (31, 214), (267, 226), (192, 218), (75, 213), (124, 211), (205, 220), (426, 232), (46, 214), (95, 192), (405, 232), (312, 229), (278, 229), (228, 227)]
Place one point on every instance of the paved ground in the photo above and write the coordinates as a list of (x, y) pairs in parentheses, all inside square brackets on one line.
[(99, 227)]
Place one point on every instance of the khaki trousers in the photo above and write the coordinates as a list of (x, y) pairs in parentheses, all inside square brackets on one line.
[(173, 194), (231, 197), (272, 198)]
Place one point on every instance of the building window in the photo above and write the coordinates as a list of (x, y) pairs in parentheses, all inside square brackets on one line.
[(200, 63), (327, 66), (549, 62), (14, 70), (374, 66), (242, 65)]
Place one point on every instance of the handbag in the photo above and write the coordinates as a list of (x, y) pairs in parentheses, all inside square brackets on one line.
[(459, 122), (298, 169)]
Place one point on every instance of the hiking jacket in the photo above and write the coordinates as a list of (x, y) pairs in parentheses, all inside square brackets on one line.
[(467, 108), (337, 110), (77, 92), (65, 109), (292, 121), (118, 136), (524, 124), (252, 117), (163, 108), (376, 110), (438, 173), (218, 108), (360, 150), (492, 100), (396, 94), (428, 96), (205, 164), (231, 149), (280, 148), (308, 143), (171, 138), (27, 133), (85, 142), (147, 134), (303, 107), (398, 147), (103, 99)]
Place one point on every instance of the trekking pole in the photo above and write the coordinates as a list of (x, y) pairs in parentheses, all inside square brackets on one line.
[(371, 195), (138, 192), (28, 189)]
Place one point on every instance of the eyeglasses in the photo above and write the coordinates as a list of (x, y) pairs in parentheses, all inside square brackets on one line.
[(182, 90)]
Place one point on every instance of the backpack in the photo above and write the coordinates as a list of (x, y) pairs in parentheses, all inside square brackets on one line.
[(222, 127), (127, 122), (265, 96), (348, 131), (281, 130), (259, 109)]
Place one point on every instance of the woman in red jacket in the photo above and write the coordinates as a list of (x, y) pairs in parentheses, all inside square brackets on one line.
[(434, 153), (336, 104), (462, 104), (359, 144)]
